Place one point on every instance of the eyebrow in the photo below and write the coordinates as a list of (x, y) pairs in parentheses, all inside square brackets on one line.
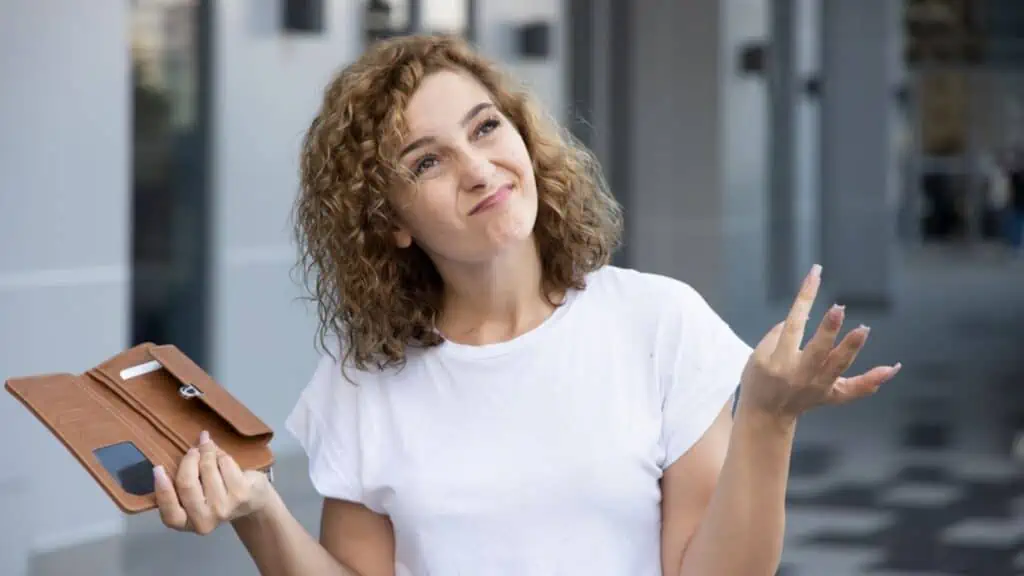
[(421, 142)]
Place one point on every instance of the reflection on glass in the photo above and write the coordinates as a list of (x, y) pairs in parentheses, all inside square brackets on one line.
[(168, 185), (126, 464)]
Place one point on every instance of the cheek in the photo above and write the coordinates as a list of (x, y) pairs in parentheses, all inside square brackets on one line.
[(519, 157), (431, 208)]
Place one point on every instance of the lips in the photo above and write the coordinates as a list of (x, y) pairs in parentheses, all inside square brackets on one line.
[(499, 196)]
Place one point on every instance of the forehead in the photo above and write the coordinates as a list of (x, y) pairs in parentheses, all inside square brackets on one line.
[(442, 100)]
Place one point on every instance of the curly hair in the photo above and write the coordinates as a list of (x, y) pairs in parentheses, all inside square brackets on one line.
[(379, 299)]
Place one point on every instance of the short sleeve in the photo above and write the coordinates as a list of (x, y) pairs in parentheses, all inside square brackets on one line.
[(701, 362), (326, 423)]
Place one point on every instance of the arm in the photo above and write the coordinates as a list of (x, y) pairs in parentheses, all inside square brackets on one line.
[(281, 546), (724, 501), (210, 489), (741, 530), (353, 541)]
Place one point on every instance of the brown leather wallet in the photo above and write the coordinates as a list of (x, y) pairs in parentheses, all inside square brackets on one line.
[(142, 408)]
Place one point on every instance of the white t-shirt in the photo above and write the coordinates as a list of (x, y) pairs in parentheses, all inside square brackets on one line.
[(537, 456)]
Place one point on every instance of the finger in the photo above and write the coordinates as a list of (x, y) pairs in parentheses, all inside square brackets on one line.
[(842, 357), (210, 478), (234, 478), (796, 322), (190, 491), (847, 389), (818, 348), (770, 340), (171, 512)]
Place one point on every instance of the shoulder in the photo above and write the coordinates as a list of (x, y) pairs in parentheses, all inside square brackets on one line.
[(333, 396), (327, 384), (330, 422), (647, 295), (668, 314)]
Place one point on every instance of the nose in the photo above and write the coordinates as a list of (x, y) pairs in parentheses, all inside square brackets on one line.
[(477, 171)]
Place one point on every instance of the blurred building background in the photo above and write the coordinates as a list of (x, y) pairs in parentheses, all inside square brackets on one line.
[(148, 163)]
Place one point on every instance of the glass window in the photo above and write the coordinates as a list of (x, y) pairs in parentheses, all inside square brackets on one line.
[(169, 211)]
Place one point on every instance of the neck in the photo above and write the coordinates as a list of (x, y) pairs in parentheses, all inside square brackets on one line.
[(496, 301)]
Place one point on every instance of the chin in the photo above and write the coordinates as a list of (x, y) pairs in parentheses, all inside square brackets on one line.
[(514, 227)]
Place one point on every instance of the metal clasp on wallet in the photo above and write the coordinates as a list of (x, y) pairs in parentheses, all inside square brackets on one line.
[(189, 391)]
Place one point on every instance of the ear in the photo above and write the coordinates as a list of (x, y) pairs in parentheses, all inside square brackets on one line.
[(402, 236)]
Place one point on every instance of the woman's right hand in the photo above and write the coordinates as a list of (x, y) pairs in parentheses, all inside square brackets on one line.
[(208, 490)]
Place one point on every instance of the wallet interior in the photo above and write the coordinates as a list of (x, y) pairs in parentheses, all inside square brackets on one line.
[(142, 408)]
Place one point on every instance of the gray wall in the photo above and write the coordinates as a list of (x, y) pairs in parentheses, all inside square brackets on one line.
[(64, 201), (699, 159)]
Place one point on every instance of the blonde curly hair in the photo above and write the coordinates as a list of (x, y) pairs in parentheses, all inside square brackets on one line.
[(375, 297)]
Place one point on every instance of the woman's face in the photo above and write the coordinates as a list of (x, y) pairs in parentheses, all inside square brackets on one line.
[(473, 193)]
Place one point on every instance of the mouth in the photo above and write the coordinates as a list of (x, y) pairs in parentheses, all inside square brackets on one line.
[(495, 199)]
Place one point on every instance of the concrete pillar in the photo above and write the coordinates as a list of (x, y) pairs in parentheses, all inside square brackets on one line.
[(698, 155), (860, 47), (793, 206)]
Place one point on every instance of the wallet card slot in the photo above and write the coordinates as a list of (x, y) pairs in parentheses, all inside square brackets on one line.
[(107, 399), (143, 405), (176, 407)]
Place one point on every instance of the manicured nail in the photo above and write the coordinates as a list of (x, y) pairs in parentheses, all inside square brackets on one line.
[(896, 369), (835, 315), (160, 475), (816, 270), (864, 328), (204, 437)]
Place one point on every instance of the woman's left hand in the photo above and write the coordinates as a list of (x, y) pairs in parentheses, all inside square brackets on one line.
[(784, 381)]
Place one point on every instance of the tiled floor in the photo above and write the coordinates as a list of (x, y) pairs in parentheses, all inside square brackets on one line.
[(914, 481)]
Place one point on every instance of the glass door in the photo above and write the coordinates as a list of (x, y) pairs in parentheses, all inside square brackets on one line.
[(170, 199)]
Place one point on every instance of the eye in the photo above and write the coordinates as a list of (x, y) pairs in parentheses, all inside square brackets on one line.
[(425, 163), (487, 126)]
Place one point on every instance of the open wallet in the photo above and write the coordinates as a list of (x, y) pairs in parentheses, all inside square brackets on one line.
[(142, 408)]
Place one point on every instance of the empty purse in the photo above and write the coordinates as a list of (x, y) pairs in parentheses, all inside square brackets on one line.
[(142, 408)]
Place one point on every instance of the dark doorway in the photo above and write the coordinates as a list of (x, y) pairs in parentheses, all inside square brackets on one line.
[(170, 69)]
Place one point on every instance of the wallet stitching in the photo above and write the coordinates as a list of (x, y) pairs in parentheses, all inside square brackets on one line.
[(131, 427), (141, 408)]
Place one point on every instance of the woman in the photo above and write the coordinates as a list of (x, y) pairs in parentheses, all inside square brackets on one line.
[(504, 400)]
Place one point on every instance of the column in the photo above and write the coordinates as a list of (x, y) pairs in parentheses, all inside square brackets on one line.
[(858, 116)]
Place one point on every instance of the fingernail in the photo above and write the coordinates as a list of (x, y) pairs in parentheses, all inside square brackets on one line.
[(896, 369), (865, 328), (160, 475), (204, 437), (835, 315), (816, 270)]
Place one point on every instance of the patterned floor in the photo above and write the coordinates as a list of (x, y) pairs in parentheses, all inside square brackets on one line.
[(932, 514)]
